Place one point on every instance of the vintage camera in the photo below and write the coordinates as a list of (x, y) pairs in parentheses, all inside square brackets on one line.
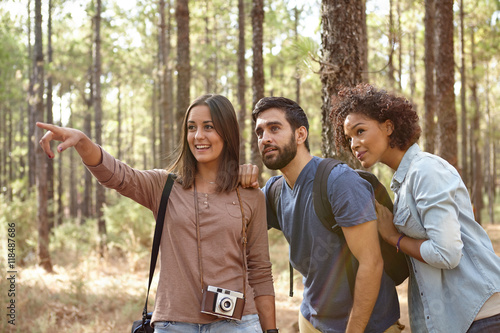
[(222, 303)]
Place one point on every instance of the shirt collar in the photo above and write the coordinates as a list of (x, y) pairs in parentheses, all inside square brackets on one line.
[(404, 165)]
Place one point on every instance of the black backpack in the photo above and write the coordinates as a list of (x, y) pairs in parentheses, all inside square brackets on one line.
[(395, 264)]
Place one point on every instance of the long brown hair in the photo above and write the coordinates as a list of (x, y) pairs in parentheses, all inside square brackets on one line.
[(226, 125)]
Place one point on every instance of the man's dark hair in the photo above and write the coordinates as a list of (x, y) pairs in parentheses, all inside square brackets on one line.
[(294, 114)]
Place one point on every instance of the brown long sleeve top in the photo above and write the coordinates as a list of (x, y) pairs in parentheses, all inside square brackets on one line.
[(179, 292)]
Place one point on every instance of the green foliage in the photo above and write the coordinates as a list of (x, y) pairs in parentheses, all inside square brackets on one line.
[(130, 227), (21, 212), (70, 242)]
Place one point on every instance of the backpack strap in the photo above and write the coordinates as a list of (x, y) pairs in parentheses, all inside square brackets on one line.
[(322, 206), (274, 193), (325, 214)]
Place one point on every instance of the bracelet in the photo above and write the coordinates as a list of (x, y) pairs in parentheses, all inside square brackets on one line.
[(398, 248), (273, 330)]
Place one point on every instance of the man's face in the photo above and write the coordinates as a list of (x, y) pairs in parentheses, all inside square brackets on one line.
[(276, 139)]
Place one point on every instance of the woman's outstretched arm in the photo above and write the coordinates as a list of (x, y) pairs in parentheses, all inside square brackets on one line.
[(89, 151)]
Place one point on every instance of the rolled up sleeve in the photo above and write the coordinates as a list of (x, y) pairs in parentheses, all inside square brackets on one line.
[(435, 202)]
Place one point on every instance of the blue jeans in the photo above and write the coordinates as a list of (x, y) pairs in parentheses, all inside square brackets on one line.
[(247, 324), (486, 325)]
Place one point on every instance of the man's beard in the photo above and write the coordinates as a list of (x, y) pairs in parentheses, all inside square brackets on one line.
[(285, 155)]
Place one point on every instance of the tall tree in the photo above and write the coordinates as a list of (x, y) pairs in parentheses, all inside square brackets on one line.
[(97, 103), (463, 102), (183, 60), (166, 143), (341, 61), (50, 118), (477, 174), (41, 160), (31, 112), (429, 95), (241, 78), (257, 72), (392, 44), (445, 70)]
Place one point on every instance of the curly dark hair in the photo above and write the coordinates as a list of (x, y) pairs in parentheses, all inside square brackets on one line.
[(378, 105)]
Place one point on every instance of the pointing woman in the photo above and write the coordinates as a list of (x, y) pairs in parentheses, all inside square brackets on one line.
[(205, 223)]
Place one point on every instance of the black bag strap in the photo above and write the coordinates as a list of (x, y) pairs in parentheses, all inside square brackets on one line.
[(320, 195), (324, 212), (160, 218)]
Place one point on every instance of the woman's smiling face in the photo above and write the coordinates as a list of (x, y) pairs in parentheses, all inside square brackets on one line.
[(205, 143)]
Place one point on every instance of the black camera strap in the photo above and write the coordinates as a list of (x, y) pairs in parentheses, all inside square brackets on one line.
[(160, 219)]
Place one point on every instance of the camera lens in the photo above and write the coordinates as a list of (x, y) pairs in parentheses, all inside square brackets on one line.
[(226, 304)]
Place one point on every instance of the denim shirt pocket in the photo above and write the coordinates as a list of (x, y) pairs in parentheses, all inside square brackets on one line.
[(401, 216), (407, 224)]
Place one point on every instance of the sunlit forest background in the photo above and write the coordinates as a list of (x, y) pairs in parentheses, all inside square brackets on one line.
[(125, 71)]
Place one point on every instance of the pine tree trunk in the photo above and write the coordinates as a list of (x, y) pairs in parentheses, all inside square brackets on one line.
[(490, 153), (341, 62), (447, 123), (183, 60), (463, 102), (166, 123), (429, 95), (241, 78), (31, 112), (97, 100), (50, 120), (477, 174), (119, 123), (392, 44), (41, 159), (257, 73)]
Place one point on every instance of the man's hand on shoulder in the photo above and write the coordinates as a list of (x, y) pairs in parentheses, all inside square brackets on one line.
[(249, 176)]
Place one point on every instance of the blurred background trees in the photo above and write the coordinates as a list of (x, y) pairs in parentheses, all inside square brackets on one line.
[(125, 71)]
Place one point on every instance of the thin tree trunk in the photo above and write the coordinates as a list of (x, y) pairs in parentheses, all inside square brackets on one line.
[(166, 123), (399, 39), (463, 103), (490, 152), (241, 78), (41, 159), (257, 73), (208, 43), (392, 44), (445, 70), (31, 111), (97, 100), (50, 120), (429, 95), (477, 174), (120, 124), (413, 64), (60, 188), (183, 60)]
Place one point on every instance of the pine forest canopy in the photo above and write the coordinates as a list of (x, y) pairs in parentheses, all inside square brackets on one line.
[(125, 71)]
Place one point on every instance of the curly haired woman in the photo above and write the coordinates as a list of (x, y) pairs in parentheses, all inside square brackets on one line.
[(455, 274)]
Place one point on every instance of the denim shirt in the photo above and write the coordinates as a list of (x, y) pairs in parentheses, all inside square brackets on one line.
[(461, 270)]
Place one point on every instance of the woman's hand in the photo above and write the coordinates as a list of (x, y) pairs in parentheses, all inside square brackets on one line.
[(385, 225), (249, 176), (70, 137)]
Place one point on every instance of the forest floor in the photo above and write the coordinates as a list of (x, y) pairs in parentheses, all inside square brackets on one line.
[(90, 295)]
